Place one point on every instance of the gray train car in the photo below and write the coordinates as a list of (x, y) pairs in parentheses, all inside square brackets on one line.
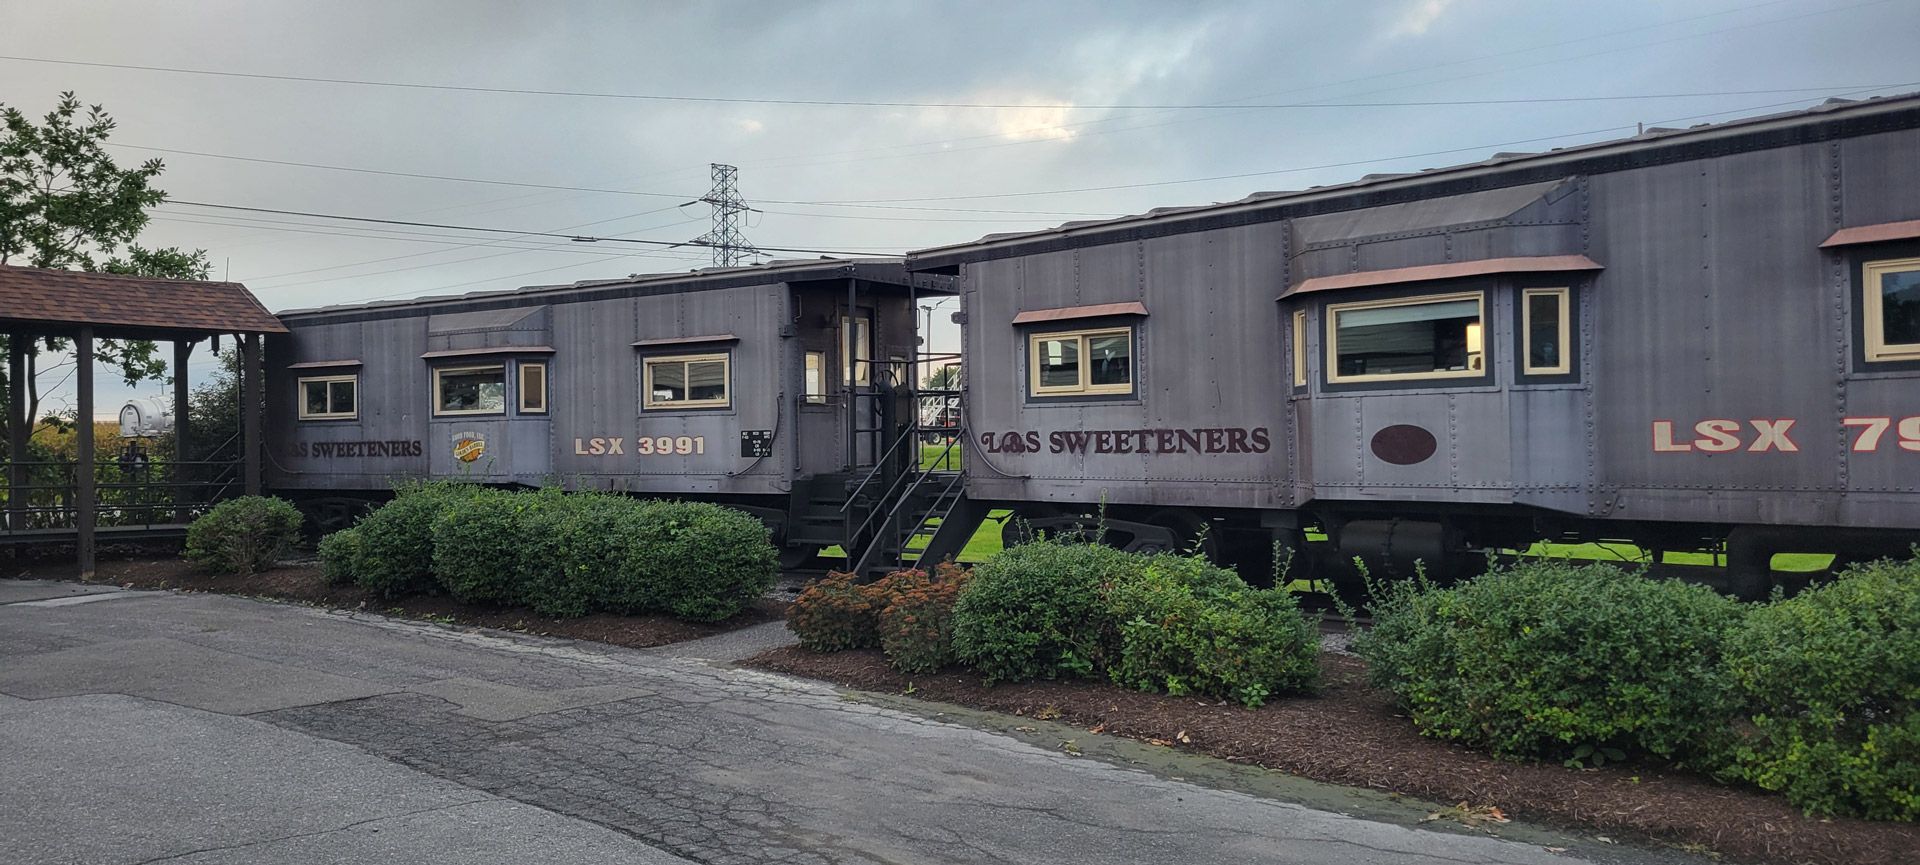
[(774, 388), (1692, 339)]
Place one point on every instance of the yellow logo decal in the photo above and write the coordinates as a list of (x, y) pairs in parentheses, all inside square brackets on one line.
[(467, 450)]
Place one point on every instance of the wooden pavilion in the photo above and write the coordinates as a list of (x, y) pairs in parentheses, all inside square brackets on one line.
[(37, 303)]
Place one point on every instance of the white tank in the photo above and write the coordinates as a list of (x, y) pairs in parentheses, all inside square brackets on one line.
[(145, 417)]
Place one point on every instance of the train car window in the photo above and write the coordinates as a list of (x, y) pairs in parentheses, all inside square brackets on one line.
[(1891, 301), (1546, 319), (1081, 362), (856, 350), (533, 388), (330, 397), (687, 381), (816, 382), (1432, 337), (470, 390), (1300, 348)]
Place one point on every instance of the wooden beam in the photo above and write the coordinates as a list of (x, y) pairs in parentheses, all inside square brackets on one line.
[(250, 409), (83, 469), (19, 425), (182, 441)]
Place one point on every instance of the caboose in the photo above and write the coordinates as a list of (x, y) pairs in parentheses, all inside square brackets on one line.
[(1691, 339), (781, 389)]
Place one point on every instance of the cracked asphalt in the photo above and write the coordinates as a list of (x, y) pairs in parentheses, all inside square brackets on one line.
[(140, 727)]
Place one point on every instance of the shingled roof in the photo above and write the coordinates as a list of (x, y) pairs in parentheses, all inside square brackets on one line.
[(60, 300)]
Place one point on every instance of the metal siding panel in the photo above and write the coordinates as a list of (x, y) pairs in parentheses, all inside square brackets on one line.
[(1712, 308), (1405, 252), (1881, 175), (1421, 215)]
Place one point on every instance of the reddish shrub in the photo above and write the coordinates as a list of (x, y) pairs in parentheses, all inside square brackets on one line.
[(838, 612), (916, 628)]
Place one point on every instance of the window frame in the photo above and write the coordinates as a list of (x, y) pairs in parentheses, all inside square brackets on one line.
[(1565, 327), (439, 403), (300, 399), (1874, 347), (1299, 320), (856, 371), (520, 386), (647, 363), (1085, 386), (1330, 314), (814, 362)]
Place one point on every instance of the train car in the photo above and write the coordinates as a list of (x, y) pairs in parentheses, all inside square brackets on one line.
[(1691, 339), (773, 388)]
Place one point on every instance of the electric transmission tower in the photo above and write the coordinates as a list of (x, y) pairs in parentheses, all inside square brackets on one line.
[(730, 247)]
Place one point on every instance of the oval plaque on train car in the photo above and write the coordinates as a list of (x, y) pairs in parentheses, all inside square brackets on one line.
[(1404, 444), (468, 447)]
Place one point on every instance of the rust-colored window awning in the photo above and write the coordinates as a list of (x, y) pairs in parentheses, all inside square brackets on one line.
[(1880, 233), (1449, 270), (1070, 313), (712, 338), (492, 350)]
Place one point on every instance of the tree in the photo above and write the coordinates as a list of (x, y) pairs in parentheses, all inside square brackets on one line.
[(943, 378), (64, 203)]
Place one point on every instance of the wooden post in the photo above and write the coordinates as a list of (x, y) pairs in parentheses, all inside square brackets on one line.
[(250, 409), (83, 469), (19, 425), (182, 445)]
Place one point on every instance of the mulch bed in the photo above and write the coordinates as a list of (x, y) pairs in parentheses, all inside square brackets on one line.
[(304, 584), (1351, 735)]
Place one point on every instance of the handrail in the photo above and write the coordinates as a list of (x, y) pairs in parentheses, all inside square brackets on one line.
[(948, 511), (920, 476)]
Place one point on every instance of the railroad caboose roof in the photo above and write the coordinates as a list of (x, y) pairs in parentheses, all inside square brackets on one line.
[(879, 270), (1833, 119)]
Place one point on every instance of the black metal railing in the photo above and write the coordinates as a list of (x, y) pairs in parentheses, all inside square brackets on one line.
[(136, 490)]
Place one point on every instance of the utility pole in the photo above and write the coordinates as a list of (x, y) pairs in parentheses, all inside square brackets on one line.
[(730, 247)]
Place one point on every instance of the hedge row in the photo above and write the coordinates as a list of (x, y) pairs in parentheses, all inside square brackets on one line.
[(1815, 696), (1049, 609), (561, 554)]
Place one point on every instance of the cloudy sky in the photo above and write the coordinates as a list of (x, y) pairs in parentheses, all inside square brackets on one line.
[(1093, 108)]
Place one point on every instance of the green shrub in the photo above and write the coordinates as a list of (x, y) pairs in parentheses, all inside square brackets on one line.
[(916, 628), (396, 540), (572, 549), (1557, 660), (695, 561), (1186, 630), (1831, 678), (339, 554), (477, 542), (1038, 611), (837, 612), (244, 535)]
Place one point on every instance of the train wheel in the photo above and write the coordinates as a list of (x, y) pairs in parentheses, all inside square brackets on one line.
[(1749, 564), (1190, 533), (797, 557)]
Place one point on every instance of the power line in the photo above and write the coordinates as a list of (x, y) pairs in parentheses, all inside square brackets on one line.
[(577, 238), (1348, 164), (945, 149), (846, 103), (469, 244), (552, 186)]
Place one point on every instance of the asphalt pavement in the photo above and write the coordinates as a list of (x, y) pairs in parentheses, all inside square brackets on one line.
[(145, 727)]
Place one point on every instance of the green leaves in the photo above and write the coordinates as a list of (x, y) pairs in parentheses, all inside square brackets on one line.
[(244, 535), (1831, 679), (1555, 660)]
